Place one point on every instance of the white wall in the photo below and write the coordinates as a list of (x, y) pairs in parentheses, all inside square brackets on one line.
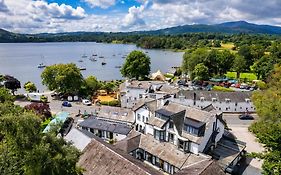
[(194, 148), (220, 106), (118, 137), (220, 125), (207, 135), (149, 129), (144, 114), (129, 99)]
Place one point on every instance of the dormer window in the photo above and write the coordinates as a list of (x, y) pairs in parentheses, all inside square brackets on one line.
[(227, 100), (202, 98), (247, 100), (214, 99)]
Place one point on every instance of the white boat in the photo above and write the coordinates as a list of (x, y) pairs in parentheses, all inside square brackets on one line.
[(84, 56), (82, 68), (41, 65)]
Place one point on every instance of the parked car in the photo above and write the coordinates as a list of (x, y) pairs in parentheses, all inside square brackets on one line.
[(246, 117), (86, 102), (237, 85), (66, 104)]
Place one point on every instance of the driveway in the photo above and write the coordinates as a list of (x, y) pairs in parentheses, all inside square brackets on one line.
[(239, 128)]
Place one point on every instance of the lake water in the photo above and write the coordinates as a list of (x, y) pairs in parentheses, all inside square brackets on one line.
[(21, 59)]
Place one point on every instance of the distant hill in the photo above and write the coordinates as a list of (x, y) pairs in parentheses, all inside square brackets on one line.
[(227, 28)]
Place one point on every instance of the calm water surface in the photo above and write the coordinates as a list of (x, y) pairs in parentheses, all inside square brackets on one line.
[(21, 59)]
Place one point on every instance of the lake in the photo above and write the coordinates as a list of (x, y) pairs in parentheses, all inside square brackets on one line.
[(21, 59)]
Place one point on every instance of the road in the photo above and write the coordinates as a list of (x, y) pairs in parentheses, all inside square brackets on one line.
[(239, 128)]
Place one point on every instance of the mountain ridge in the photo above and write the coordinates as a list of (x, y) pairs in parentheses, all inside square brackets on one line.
[(233, 27)]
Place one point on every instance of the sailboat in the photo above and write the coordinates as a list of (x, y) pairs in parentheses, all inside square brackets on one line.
[(42, 65), (103, 62), (92, 59), (84, 56)]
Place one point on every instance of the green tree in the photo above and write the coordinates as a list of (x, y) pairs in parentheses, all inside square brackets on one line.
[(201, 72), (11, 83), (264, 66), (245, 51), (192, 58), (30, 87), (239, 65), (137, 65), (5, 95), (24, 149), (268, 127), (63, 78), (92, 84)]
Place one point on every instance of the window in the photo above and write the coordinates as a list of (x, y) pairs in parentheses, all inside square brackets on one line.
[(143, 118), (161, 116), (159, 135), (139, 117), (171, 125), (146, 119), (181, 144), (171, 137), (190, 129), (109, 135)]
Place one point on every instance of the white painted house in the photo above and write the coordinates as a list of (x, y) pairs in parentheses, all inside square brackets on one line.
[(191, 129)]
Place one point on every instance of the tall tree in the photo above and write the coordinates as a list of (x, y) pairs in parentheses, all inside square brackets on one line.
[(245, 51), (137, 65), (11, 83), (64, 78), (268, 127), (24, 149), (239, 65), (30, 87), (201, 72)]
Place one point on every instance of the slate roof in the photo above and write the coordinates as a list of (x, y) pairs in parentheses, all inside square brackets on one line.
[(95, 123), (79, 138), (104, 159), (154, 121), (227, 150), (206, 167), (163, 150), (116, 114), (237, 96)]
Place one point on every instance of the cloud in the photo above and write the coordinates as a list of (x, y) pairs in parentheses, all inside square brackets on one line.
[(134, 18), (53, 10), (3, 6), (36, 16), (100, 3)]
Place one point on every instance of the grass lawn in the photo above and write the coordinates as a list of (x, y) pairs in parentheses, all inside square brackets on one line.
[(106, 98), (227, 45), (249, 76)]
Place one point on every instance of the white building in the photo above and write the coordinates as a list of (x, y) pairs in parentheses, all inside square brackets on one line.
[(191, 129), (132, 91)]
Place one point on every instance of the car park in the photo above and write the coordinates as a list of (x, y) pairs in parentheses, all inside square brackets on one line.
[(66, 104)]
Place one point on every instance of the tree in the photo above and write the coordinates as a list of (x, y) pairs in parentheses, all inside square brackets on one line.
[(268, 127), (217, 43), (5, 96), (40, 109), (26, 150), (201, 72), (192, 58), (225, 61), (239, 65), (63, 78), (137, 65), (92, 84), (11, 83), (264, 66), (30, 87), (245, 51)]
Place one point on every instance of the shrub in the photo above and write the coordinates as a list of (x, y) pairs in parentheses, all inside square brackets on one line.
[(110, 103), (223, 89)]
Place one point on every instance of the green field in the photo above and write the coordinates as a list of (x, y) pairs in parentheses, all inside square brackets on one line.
[(249, 76)]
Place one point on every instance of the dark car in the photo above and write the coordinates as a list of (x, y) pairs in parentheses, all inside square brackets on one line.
[(246, 117), (66, 104)]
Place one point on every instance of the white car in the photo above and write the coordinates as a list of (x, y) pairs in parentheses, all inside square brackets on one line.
[(86, 102)]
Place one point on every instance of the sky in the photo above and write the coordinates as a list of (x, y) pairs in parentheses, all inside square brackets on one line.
[(52, 16)]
